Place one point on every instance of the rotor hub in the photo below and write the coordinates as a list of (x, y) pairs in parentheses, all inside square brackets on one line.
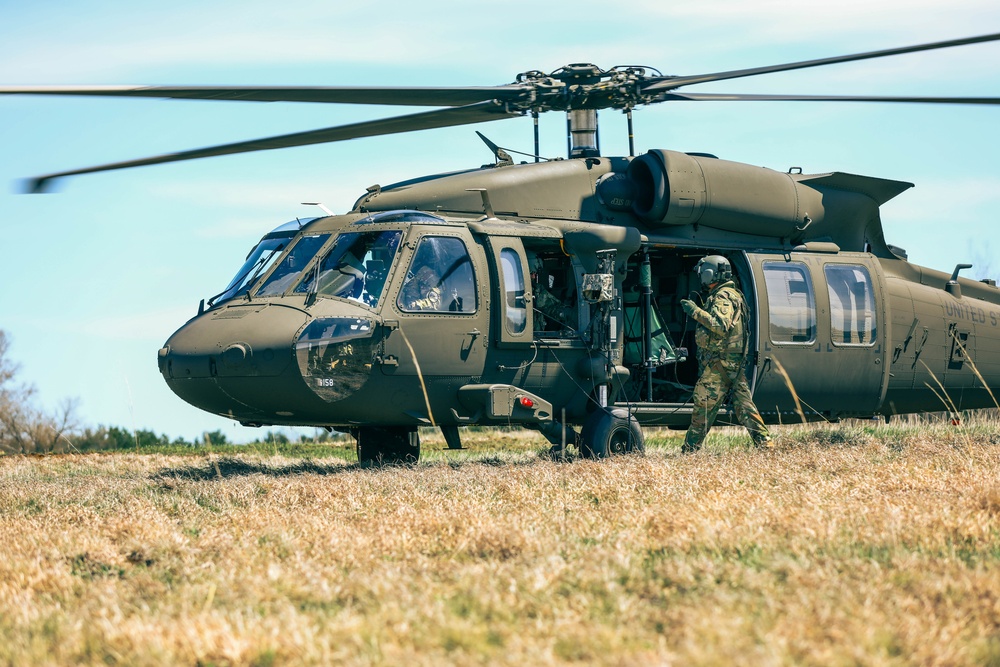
[(582, 86)]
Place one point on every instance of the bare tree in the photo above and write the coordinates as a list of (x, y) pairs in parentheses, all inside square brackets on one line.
[(25, 429)]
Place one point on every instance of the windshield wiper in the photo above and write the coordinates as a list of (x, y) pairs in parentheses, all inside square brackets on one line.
[(252, 272), (314, 287)]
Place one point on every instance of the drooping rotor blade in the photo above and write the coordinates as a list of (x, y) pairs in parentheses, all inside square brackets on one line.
[(473, 113), (672, 82), (396, 96), (738, 97)]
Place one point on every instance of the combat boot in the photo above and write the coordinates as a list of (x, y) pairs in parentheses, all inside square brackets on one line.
[(766, 442), (690, 447)]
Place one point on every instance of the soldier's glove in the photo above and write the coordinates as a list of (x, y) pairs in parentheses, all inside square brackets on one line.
[(689, 306)]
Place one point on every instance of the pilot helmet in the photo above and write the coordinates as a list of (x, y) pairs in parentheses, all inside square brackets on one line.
[(713, 269), (425, 278)]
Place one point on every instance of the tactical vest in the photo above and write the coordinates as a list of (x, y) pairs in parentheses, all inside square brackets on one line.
[(726, 305)]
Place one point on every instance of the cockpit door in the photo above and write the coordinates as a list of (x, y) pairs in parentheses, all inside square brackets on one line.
[(435, 319)]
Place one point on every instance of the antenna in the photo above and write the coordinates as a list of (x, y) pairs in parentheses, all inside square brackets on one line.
[(316, 203), (487, 206)]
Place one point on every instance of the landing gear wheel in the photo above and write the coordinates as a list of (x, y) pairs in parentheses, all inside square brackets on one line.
[(610, 432), (387, 445)]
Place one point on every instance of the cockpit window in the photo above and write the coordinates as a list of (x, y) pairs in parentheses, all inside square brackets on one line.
[(355, 267), (257, 263), (440, 278), (260, 259), (287, 272)]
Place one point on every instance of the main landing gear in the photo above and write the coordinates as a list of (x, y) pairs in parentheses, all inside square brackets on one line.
[(387, 445), (610, 432)]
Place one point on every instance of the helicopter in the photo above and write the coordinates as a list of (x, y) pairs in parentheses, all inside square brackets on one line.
[(546, 294)]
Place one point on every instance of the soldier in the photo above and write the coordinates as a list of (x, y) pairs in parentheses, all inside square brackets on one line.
[(547, 307), (722, 351), (422, 292)]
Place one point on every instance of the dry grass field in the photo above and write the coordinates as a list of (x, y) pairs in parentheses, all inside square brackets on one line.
[(847, 545)]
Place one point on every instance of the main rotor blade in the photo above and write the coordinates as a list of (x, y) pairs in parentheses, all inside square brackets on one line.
[(738, 97), (396, 96), (474, 113), (670, 83)]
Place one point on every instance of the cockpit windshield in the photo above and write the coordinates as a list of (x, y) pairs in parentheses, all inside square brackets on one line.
[(286, 274), (355, 267), (259, 260)]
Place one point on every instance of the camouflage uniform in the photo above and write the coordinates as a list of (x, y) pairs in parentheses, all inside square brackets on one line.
[(720, 340), (548, 308)]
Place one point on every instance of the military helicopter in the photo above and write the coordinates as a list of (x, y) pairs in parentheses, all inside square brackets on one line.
[(546, 294)]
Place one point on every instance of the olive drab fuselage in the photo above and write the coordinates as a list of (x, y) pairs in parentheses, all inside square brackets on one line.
[(418, 306), (547, 294)]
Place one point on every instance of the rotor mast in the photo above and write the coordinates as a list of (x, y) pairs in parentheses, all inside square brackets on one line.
[(581, 90), (582, 131)]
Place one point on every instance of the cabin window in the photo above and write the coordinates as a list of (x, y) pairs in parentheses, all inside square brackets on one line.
[(513, 280), (852, 304), (440, 278), (791, 303)]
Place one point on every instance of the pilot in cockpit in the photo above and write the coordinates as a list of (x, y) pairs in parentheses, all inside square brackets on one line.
[(421, 291), (346, 280)]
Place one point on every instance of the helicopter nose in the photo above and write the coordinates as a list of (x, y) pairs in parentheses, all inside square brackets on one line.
[(234, 341), (205, 361), (269, 363)]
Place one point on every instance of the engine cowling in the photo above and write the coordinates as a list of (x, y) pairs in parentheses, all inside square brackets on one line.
[(673, 188)]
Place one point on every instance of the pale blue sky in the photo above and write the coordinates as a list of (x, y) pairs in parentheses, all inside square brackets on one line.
[(97, 276)]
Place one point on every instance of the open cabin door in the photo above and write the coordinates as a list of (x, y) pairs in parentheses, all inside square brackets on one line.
[(536, 335), (659, 347)]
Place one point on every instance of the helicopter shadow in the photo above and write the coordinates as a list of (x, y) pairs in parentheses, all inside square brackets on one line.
[(230, 467), (233, 467)]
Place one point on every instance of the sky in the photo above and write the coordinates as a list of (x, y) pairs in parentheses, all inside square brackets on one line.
[(96, 276)]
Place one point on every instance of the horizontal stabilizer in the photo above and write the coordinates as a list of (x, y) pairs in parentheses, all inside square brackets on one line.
[(879, 189)]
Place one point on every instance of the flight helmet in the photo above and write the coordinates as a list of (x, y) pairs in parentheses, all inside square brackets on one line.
[(713, 269)]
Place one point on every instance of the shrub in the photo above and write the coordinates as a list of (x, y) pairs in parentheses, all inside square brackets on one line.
[(25, 429)]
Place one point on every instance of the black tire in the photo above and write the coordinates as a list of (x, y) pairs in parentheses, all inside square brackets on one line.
[(387, 445), (611, 432)]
